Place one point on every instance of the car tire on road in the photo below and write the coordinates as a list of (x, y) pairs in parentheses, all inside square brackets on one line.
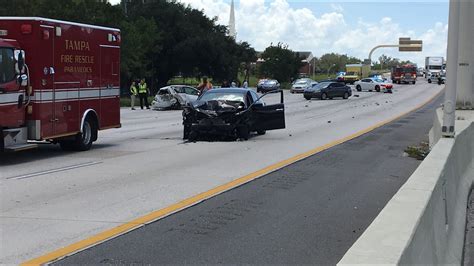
[(359, 88), (192, 136), (346, 96), (261, 132), (243, 132), (186, 131), (324, 96), (377, 88), (307, 98), (414, 82)]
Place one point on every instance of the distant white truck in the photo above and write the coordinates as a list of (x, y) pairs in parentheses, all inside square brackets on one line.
[(433, 67)]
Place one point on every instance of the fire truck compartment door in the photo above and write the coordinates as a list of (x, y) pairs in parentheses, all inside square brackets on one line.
[(46, 84), (109, 86)]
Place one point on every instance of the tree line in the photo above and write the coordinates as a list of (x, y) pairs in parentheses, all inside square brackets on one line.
[(160, 39)]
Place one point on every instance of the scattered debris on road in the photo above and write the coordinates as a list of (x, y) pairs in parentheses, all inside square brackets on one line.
[(418, 152)]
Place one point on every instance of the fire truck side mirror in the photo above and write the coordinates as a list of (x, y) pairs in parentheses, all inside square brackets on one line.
[(20, 61)]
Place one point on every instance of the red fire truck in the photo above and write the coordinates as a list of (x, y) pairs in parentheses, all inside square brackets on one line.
[(59, 82), (404, 74)]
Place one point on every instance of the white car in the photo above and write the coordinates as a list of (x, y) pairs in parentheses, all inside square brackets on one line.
[(174, 97), (374, 84), (432, 77), (301, 84)]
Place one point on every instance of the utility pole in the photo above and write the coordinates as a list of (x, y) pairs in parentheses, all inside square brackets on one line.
[(449, 109)]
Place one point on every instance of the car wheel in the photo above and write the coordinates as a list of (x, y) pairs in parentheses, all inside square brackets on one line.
[(377, 88), (346, 96), (186, 131), (84, 140), (177, 106), (307, 98), (243, 132), (414, 82), (429, 81), (390, 91), (261, 132), (324, 96), (192, 136), (359, 88)]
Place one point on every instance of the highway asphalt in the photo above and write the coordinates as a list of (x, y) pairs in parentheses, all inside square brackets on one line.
[(51, 199), (310, 212)]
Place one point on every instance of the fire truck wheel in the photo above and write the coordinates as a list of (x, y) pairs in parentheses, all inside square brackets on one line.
[(83, 141)]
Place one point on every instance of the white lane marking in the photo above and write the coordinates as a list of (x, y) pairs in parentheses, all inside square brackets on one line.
[(53, 171)]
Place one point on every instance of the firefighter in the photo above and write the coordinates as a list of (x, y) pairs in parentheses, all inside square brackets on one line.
[(143, 94), (133, 94)]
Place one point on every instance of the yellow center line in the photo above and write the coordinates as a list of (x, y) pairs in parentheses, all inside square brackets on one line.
[(159, 214)]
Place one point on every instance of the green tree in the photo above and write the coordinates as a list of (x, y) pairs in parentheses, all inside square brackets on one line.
[(139, 40), (280, 63), (332, 62)]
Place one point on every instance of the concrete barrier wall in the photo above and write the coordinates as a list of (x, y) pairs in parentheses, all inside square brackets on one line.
[(424, 223)]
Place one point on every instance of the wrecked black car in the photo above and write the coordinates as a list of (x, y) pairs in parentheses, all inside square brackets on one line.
[(231, 114)]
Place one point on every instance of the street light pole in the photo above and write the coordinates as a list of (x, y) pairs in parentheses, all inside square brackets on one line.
[(449, 109), (329, 69)]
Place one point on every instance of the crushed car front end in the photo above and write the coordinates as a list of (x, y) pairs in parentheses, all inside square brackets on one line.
[(213, 119)]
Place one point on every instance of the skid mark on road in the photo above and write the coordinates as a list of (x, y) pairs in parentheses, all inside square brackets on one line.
[(218, 217)]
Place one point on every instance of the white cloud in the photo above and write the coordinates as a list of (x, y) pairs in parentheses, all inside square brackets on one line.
[(338, 8)]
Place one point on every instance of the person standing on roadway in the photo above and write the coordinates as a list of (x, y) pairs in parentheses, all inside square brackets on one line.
[(205, 85), (143, 94), (133, 94)]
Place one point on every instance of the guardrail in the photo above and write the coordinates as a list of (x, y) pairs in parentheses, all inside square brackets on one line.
[(424, 223)]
